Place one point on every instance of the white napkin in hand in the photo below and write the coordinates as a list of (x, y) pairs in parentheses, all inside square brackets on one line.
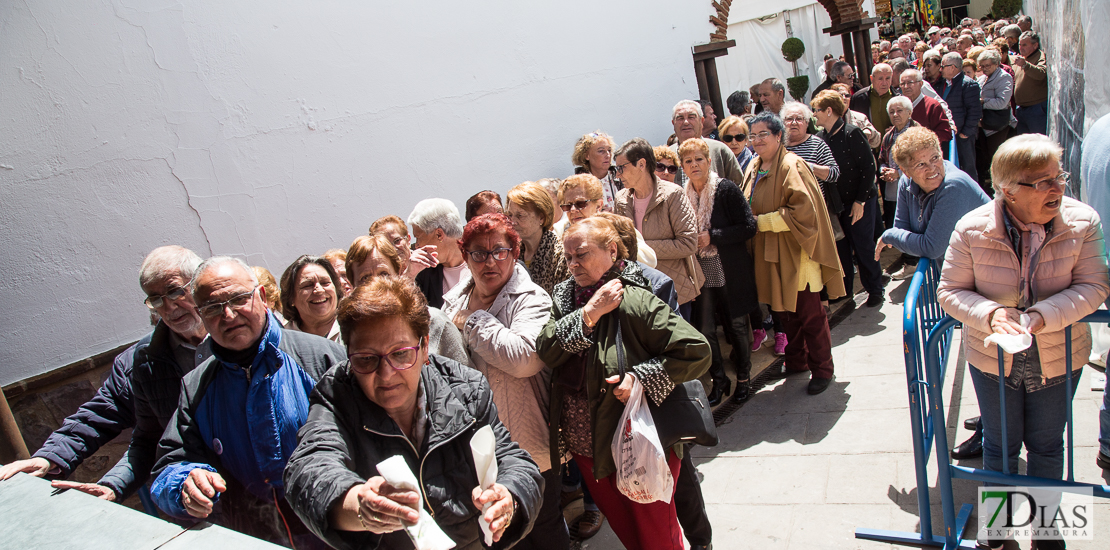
[(1012, 343), (483, 445), (425, 534)]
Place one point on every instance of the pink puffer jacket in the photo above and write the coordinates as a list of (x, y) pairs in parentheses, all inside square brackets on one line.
[(981, 274)]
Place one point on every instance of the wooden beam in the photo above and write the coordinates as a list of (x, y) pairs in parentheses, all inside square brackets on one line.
[(713, 46)]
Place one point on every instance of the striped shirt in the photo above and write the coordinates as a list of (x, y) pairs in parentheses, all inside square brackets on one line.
[(814, 150)]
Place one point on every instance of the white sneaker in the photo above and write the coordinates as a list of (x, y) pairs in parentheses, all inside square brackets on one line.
[(906, 273)]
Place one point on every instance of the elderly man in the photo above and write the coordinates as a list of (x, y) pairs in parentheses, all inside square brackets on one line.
[(223, 452), (708, 120), (964, 44), (1025, 23), (929, 112), (739, 103), (772, 94), (843, 73), (1030, 86), (872, 100), (1012, 33), (906, 44), (933, 36), (141, 391), (830, 77), (899, 66), (687, 120), (962, 95), (437, 223)]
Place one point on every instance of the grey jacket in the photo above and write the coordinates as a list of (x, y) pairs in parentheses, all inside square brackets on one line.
[(444, 339), (502, 346), (995, 93)]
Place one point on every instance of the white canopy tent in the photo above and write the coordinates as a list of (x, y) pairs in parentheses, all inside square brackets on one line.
[(760, 27)]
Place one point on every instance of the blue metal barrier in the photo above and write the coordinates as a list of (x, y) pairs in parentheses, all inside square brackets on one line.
[(920, 313), (952, 155)]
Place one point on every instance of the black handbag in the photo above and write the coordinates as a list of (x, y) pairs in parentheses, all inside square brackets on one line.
[(995, 119), (684, 416)]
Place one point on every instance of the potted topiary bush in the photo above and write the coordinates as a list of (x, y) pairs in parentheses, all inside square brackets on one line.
[(792, 51)]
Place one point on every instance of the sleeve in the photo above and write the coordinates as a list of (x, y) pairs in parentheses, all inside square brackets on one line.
[(96, 422), (180, 451), (938, 231), (1089, 284), (685, 241), (826, 158), (859, 148), (320, 470), (956, 291), (1036, 71), (448, 341), (678, 351), (743, 225), (941, 121), (874, 138), (773, 222), (1005, 88), (510, 348), (974, 108), (133, 468)]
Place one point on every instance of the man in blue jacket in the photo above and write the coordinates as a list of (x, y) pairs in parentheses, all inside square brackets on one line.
[(123, 402), (223, 453), (962, 95)]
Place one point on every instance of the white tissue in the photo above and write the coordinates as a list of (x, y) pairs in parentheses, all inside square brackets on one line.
[(425, 534), (1012, 343), (485, 463)]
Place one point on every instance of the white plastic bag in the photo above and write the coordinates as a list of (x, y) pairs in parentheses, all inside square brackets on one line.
[(642, 472)]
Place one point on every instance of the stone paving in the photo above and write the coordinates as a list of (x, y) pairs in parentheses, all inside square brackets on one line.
[(795, 471)]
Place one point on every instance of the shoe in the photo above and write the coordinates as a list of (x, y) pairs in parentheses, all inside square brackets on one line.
[(743, 391), (971, 448), (569, 497), (907, 273), (818, 385), (1103, 461), (780, 343), (972, 423), (587, 525), (758, 336), (874, 300), (720, 389)]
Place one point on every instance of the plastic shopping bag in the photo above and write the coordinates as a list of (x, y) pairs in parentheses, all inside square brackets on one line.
[(642, 472)]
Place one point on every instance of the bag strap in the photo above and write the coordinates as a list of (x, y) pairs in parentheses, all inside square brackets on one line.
[(620, 352)]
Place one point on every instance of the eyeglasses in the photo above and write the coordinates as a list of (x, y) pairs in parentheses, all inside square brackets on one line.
[(620, 168), (576, 205), (794, 119), (1043, 185), (761, 136), (236, 303), (159, 300), (480, 256), (398, 359), (728, 139), (672, 169)]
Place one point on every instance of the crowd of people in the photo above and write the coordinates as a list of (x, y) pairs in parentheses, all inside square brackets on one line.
[(266, 404)]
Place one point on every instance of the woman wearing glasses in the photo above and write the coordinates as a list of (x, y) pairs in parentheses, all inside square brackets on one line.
[(1030, 261), (593, 154), (394, 398), (531, 211), (500, 312), (580, 198), (666, 163), (794, 249), (310, 294), (734, 133), (664, 217)]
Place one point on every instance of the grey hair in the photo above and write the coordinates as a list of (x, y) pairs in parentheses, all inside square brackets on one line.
[(931, 54), (1030, 35), (551, 185), (687, 103), (899, 65), (737, 101), (431, 214), (885, 45), (899, 100), (166, 261), (881, 68), (1025, 18), (839, 66), (990, 55), (914, 73), (793, 106), (1011, 30), (953, 57), (776, 85), (216, 261)]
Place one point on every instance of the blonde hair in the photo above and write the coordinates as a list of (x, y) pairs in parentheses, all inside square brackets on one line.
[(585, 143), (696, 145), (664, 152), (335, 254), (587, 182), (910, 142), (380, 223), (534, 197), (1019, 154), (364, 246), (727, 123), (268, 282), (601, 232)]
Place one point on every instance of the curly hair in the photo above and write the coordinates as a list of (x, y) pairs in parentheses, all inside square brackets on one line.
[(585, 143), (910, 142)]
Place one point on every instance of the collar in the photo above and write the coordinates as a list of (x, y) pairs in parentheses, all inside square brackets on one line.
[(889, 93), (271, 337), (519, 283)]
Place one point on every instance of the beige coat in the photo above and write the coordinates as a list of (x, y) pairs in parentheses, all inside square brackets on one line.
[(669, 229), (790, 189), (981, 274)]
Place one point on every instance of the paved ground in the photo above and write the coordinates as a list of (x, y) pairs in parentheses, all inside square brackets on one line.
[(795, 471)]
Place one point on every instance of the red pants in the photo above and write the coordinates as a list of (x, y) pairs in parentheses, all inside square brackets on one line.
[(641, 526), (809, 342)]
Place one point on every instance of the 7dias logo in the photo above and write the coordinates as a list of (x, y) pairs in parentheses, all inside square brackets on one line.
[(1036, 513)]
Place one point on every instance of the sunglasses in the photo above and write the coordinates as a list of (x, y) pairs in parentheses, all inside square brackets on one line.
[(738, 137), (669, 168), (576, 205)]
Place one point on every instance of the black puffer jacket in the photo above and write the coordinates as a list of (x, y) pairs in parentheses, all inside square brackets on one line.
[(347, 435)]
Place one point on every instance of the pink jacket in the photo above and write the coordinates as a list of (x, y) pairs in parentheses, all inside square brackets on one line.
[(981, 274)]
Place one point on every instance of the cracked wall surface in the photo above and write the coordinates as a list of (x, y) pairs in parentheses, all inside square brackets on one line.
[(269, 130)]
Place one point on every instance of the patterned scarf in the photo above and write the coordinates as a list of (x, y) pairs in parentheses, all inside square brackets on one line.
[(703, 209), (582, 294)]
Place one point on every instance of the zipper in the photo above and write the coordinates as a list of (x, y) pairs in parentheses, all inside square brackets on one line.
[(423, 492)]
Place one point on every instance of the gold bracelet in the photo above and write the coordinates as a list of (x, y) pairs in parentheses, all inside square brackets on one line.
[(586, 319), (360, 520)]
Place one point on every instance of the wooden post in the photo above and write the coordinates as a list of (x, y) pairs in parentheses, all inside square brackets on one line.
[(849, 54), (12, 446), (715, 88), (705, 69), (863, 56)]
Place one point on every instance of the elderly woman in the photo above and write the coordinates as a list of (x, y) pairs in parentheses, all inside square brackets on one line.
[(338, 259), (664, 217), (996, 89), (531, 212), (794, 250), (483, 202), (580, 198), (393, 398), (310, 294), (900, 113), (814, 151), (666, 163), (437, 228), (725, 225), (373, 257), (588, 396), (593, 154), (501, 311), (412, 261), (856, 118), (734, 133), (857, 193), (1030, 261)]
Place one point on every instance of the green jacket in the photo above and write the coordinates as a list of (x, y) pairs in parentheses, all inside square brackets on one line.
[(660, 347)]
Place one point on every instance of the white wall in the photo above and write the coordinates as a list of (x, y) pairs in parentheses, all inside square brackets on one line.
[(270, 129)]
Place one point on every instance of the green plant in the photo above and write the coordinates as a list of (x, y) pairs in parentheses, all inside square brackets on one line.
[(793, 48), (1005, 8), (798, 86)]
